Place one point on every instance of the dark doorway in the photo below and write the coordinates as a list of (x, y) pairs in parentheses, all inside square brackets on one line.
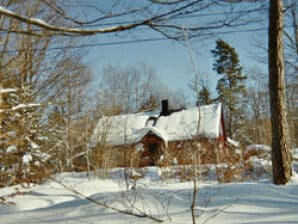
[(155, 153)]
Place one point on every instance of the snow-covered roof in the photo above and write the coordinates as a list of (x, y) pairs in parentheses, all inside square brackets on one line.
[(119, 130), (182, 125)]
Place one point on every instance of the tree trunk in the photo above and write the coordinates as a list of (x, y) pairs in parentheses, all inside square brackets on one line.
[(1, 105), (281, 156)]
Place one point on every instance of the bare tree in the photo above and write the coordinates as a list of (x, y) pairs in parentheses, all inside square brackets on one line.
[(67, 115), (256, 128), (281, 156), (19, 111), (126, 88), (28, 86), (130, 89)]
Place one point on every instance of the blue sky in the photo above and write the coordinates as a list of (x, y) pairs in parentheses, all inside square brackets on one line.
[(170, 59)]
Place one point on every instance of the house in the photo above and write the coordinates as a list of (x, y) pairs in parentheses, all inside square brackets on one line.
[(156, 133)]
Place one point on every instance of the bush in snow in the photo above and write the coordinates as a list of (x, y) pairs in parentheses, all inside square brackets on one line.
[(260, 151)]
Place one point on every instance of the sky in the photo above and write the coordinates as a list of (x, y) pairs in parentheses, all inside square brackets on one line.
[(170, 59)]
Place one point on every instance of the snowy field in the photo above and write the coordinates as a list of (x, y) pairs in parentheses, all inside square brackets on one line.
[(169, 200)]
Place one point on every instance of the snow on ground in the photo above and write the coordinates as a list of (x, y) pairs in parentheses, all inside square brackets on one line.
[(295, 153), (247, 202)]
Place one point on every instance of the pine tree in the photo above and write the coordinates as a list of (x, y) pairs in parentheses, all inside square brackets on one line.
[(229, 86), (204, 96), (20, 140), (281, 157)]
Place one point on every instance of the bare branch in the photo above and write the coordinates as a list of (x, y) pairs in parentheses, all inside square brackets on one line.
[(62, 13), (23, 32), (8, 90), (64, 30), (291, 40), (21, 106), (167, 2)]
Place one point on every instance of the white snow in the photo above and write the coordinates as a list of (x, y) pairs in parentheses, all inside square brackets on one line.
[(233, 142), (8, 90), (118, 130), (295, 153), (139, 134), (258, 147), (21, 106), (248, 202), (182, 125), (139, 147), (5, 10), (34, 145), (39, 21), (27, 158), (41, 155), (257, 150), (11, 149)]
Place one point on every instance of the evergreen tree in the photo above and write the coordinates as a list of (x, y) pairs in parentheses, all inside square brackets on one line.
[(229, 86), (20, 137), (204, 96)]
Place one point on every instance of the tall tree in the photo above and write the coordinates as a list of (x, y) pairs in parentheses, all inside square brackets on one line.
[(204, 96), (132, 89), (229, 86), (257, 128), (281, 157), (291, 67), (69, 109), (31, 78), (21, 115)]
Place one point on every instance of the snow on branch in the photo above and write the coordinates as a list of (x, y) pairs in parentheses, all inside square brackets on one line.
[(69, 31), (159, 22), (64, 30), (21, 106), (8, 90)]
